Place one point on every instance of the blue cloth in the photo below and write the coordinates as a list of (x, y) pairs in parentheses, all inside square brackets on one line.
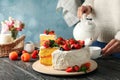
[(102, 45)]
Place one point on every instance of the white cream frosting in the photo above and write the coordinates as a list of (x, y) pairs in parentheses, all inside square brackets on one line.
[(63, 59), (44, 35)]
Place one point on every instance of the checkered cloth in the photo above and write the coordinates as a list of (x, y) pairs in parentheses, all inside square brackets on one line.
[(69, 8)]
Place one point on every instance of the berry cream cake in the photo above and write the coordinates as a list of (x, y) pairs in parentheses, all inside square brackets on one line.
[(70, 54), (62, 54)]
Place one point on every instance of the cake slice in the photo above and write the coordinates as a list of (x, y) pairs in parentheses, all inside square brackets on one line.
[(46, 50)]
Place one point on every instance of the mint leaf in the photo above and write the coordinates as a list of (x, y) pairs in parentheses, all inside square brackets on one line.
[(84, 69)]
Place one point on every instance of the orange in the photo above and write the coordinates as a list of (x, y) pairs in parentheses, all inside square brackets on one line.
[(25, 57), (13, 55)]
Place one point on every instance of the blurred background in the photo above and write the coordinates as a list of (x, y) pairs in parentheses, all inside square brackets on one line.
[(37, 15)]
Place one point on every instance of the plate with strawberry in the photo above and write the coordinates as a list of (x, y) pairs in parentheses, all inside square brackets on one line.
[(72, 70)]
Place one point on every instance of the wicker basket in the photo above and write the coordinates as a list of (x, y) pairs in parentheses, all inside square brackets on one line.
[(16, 45)]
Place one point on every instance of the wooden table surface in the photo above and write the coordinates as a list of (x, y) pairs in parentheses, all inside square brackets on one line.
[(108, 69)]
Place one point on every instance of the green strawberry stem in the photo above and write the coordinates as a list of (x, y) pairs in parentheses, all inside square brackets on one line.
[(84, 69)]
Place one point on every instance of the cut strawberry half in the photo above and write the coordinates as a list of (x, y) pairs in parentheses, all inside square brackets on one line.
[(69, 69), (46, 43), (87, 65), (66, 47), (76, 68), (76, 46)]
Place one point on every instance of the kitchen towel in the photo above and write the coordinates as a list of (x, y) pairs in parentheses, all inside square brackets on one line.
[(69, 9)]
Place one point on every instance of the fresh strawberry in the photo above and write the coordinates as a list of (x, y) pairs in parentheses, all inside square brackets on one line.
[(34, 56), (82, 42), (46, 32), (76, 68), (87, 65), (69, 69), (51, 32), (35, 52), (63, 42), (72, 46), (24, 51), (46, 43), (60, 38), (66, 41), (60, 41), (76, 46), (66, 47), (72, 41)]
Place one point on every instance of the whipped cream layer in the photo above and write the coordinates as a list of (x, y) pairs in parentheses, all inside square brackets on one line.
[(63, 59)]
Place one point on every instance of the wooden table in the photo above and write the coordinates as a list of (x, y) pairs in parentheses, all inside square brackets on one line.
[(108, 69)]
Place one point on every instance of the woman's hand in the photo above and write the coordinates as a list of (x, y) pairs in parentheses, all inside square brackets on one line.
[(84, 9), (112, 47)]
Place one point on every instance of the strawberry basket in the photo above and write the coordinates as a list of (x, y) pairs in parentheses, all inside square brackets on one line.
[(16, 45)]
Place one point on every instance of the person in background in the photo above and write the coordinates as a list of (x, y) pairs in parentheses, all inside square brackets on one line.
[(106, 14)]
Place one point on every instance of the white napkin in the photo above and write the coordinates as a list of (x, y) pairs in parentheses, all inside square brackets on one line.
[(69, 8)]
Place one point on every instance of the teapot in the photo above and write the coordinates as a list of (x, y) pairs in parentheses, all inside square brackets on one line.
[(85, 30)]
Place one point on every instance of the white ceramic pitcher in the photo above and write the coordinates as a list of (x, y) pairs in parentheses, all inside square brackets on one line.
[(85, 30), (29, 47), (5, 38)]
